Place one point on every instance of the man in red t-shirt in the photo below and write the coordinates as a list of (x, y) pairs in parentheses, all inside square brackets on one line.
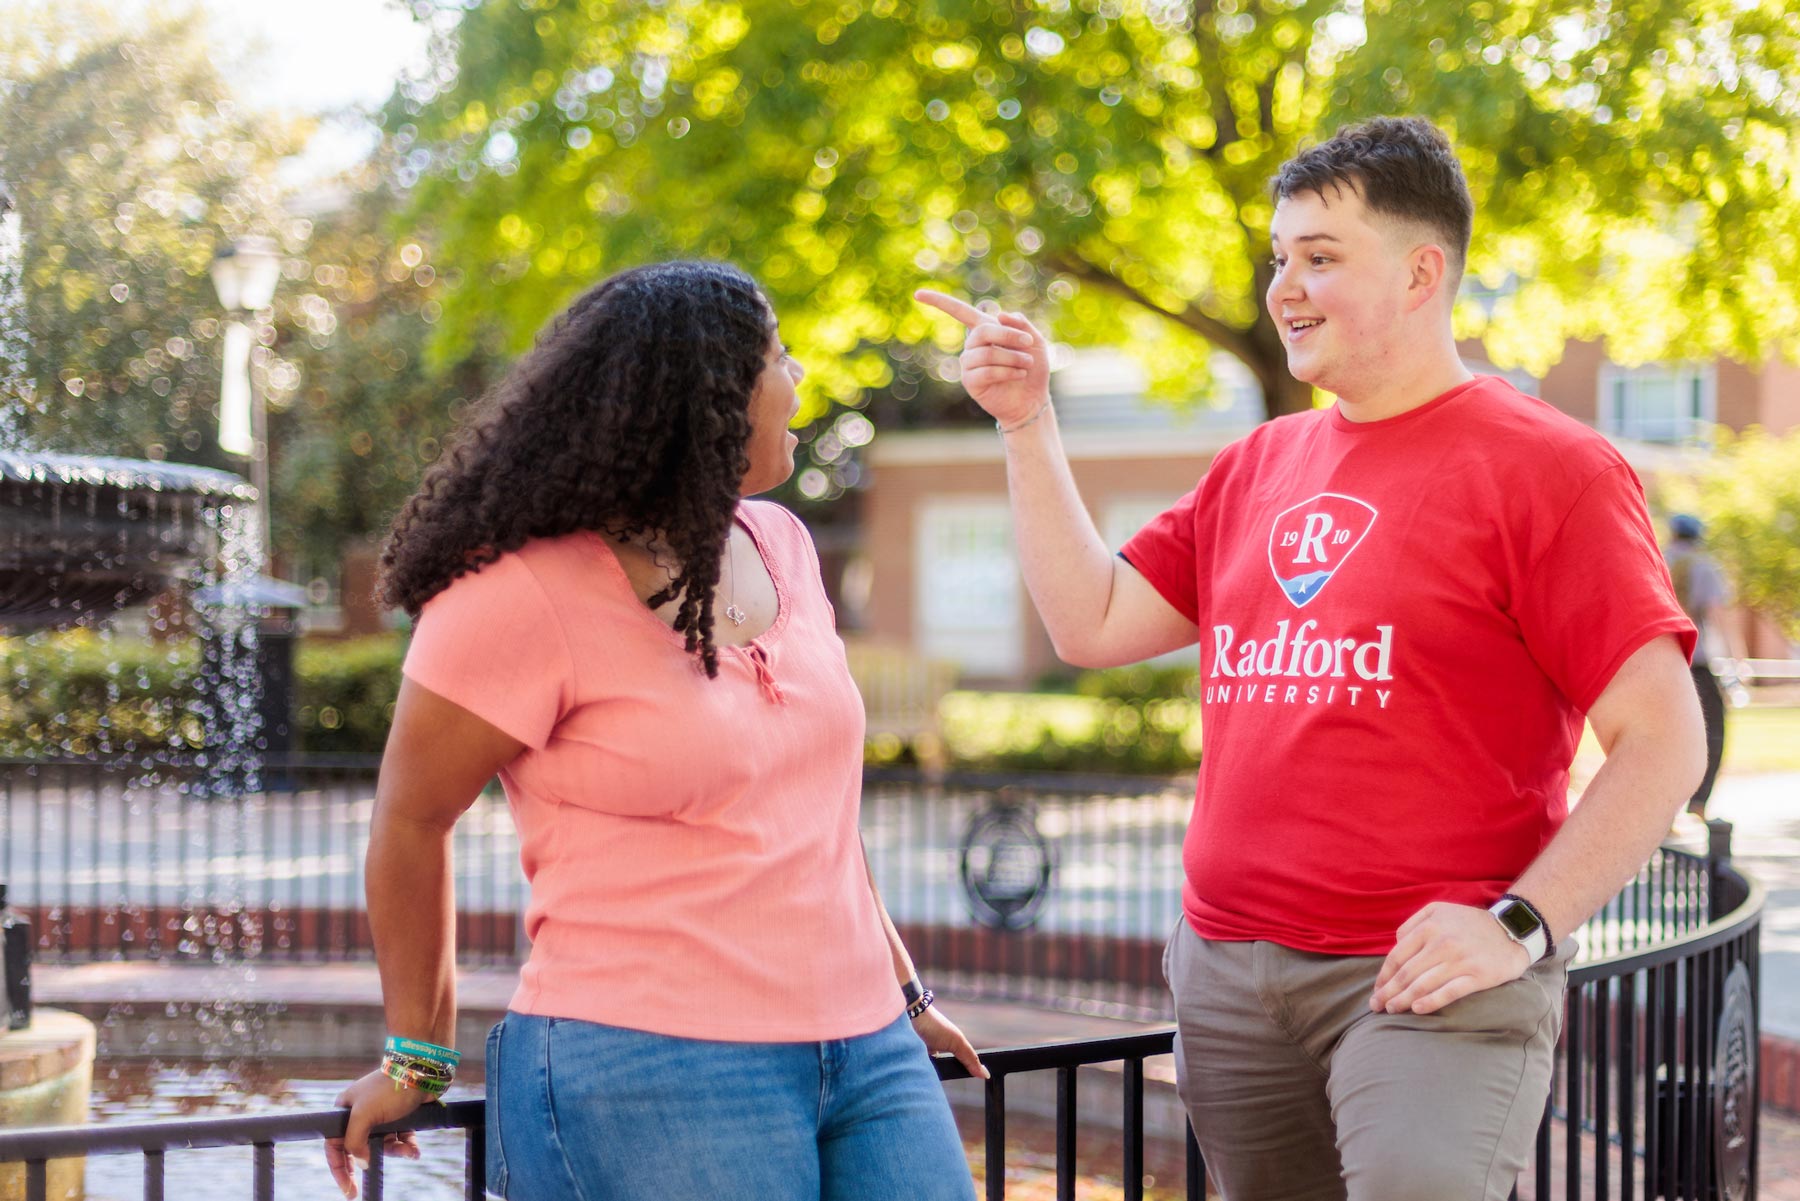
[(1405, 604)]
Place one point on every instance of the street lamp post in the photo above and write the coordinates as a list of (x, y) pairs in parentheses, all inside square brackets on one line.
[(245, 274)]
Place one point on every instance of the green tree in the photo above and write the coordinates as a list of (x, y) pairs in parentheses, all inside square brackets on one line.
[(1633, 163), (131, 165), (369, 412), (1749, 496)]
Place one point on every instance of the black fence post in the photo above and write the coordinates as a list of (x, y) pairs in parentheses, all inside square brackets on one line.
[(16, 932), (1718, 861)]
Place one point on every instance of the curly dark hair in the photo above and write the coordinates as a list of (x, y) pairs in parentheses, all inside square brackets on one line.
[(628, 417)]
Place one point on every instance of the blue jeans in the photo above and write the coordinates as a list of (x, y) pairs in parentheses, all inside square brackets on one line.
[(577, 1111)]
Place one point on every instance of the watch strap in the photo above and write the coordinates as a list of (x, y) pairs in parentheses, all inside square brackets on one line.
[(1549, 943), (1537, 943)]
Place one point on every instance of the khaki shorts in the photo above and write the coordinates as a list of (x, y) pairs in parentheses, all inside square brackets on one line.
[(1297, 1092)]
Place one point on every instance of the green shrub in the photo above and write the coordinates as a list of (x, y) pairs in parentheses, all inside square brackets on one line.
[(345, 693), (1084, 731), (76, 693), (1141, 683)]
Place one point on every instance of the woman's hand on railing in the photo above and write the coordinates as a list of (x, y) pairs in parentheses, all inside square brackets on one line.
[(373, 1101), (941, 1036)]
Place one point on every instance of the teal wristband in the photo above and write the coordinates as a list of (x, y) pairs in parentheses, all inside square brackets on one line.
[(424, 1050)]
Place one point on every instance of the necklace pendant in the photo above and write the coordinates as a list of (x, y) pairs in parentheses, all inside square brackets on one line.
[(735, 615)]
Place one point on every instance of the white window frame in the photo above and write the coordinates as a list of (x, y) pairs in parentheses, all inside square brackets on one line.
[(1696, 389), (1122, 517), (968, 609)]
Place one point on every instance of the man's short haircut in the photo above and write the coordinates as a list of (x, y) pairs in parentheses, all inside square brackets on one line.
[(1400, 166)]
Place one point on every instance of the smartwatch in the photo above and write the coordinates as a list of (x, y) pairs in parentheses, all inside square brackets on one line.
[(1523, 924)]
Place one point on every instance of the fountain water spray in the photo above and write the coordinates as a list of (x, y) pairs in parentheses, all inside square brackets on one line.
[(83, 537)]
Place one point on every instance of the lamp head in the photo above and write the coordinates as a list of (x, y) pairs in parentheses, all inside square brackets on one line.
[(245, 273)]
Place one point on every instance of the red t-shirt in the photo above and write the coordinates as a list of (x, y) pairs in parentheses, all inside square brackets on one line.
[(1402, 623)]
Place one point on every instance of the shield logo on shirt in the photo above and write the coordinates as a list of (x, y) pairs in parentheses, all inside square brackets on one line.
[(1309, 542)]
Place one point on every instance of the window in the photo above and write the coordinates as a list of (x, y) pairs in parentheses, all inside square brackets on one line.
[(1125, 516), (1659, 402), (324, 598), (966, 587)]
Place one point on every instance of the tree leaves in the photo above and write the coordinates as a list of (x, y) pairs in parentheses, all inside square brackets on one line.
[(1749, 496), (1627, 158), (131, 166)]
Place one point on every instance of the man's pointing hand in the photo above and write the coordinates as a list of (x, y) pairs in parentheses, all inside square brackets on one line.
[(1005, 360)]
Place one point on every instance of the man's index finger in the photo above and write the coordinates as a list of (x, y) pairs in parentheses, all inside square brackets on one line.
[(962, 310)]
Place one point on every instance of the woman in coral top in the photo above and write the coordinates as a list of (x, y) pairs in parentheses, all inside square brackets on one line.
[(715, 1003)]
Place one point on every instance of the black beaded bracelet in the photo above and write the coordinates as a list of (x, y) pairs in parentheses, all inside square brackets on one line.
[(915, 1008)]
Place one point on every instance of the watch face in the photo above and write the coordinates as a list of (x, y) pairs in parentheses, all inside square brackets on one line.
[(1518, 920)]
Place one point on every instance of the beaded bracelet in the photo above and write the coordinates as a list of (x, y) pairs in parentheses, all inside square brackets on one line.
[(420, 1068), (402, 1077), (921, 1005), (406, 1074)]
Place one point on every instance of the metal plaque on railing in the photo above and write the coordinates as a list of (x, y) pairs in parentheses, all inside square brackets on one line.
[(1734, 1086), (1006, 865)]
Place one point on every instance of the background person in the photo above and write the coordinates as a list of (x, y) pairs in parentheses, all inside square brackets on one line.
[(715, 1004), (1405, 603), (1701, 589)]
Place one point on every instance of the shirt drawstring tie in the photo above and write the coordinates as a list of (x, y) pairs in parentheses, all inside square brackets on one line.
[(759, 659)]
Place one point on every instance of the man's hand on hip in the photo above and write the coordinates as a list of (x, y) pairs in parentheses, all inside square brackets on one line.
[(1445, 953)]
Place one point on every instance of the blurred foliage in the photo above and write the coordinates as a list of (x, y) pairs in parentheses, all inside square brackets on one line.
[(345, 693), (82, 694), (76, 693), (1748, 493), (370, 413), (1010, 731), (1141, 719), (131, 166), (1140, 682), (1633, 165)]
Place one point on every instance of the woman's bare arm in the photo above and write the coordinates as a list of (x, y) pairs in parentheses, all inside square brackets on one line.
[(439, 757)]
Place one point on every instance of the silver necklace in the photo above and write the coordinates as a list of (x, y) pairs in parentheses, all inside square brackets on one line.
[(733, 614)]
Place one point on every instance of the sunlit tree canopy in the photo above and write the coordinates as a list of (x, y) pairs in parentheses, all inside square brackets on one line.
[(1105, 161), (1749, 496), (132, 165)]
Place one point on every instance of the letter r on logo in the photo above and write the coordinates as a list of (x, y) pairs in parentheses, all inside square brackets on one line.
[(1313, 539)]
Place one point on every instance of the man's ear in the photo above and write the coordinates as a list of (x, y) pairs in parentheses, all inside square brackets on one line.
[(1428, 273)]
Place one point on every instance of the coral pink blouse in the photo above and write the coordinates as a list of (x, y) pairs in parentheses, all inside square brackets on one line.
[(691, 843)]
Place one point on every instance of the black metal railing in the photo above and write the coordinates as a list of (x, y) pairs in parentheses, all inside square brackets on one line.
[(1043, 889), (38, 1148), (1657, 1084), (125, 862), (1655, 1091)]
